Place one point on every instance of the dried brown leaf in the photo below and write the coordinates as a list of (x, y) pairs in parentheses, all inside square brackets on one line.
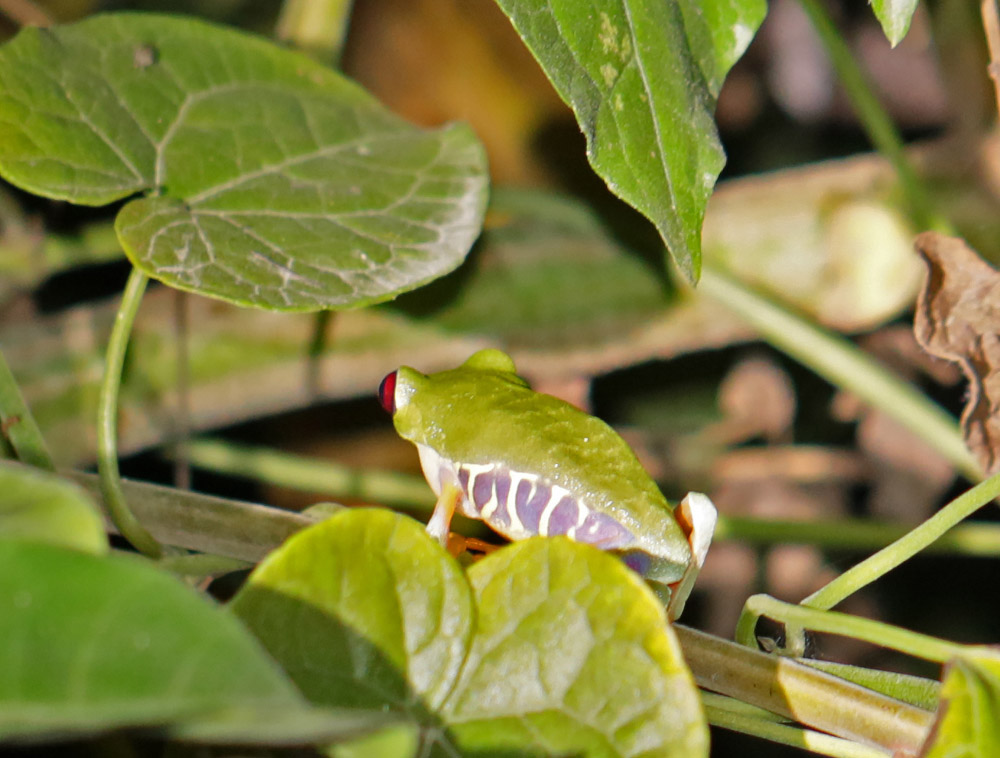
[(958, 318)]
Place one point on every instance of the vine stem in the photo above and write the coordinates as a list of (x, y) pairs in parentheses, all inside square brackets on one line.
[(906, 546), (318, 27), (202, 564), (284, 469), (840, 362), (107, 417), (720, 712), (844, 625), (979, 539), (800, 693), (874, 119)]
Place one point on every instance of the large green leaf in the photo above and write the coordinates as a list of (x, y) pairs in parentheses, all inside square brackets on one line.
[(572, 656), (642, 77), (90, 644), (558, 648), (42, 507), (895, 17), (968, 724), (362, 609), (271, 180)]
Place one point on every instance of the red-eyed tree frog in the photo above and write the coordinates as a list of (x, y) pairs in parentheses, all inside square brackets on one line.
[(530, 464)]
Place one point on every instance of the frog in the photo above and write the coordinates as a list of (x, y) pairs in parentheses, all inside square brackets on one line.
[(529, 464)]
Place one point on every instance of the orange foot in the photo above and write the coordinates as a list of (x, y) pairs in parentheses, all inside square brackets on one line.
[(457, 544)]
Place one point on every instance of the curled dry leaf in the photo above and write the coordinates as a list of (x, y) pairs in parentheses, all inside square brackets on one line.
[(958, 318)]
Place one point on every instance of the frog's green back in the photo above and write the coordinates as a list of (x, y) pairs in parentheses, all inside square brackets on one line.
[(483, 414)]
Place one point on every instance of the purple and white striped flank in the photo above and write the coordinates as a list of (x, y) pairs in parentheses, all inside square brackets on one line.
[(520, 505)]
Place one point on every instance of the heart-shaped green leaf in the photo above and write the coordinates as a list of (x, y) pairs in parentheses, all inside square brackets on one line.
[(573, 656), (558, 648), (91, 644), (968, 724), (642, 77), (272, 181), (42, 507), (362, 609), (895, 17)]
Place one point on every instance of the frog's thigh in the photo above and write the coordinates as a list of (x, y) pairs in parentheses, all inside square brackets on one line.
[(697, 516)]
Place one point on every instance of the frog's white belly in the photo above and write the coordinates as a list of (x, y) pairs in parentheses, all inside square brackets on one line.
[(520, 505)]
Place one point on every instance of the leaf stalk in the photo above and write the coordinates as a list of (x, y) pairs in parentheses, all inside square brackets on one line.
[(803, 694), (840, 362), (842, 624), (107, 417), (874, 119)]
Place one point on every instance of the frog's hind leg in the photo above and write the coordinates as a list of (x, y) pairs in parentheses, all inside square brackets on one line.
[(444, 509), (697, 517)]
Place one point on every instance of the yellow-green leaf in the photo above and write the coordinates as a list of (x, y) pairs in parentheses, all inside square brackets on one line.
[(42, 507), (968, 723)]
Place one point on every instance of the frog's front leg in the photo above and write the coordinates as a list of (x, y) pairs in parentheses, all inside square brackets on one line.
[(440, 522), (440, 475)]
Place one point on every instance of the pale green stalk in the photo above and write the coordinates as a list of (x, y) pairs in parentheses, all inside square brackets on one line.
[(207, 524), (107, 421), (843, 624), (807, 739), (916, 690), (905, 547), (840, 362), (980, 539), (874, 119), (201, 564), (816, 699), (318, 27), (310, 474)]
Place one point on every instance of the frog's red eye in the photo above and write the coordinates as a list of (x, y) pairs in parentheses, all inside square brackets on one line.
[(387, 392)]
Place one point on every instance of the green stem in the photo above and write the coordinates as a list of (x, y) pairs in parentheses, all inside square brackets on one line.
[(107, 417), (311, 475), (19, 427), (803, 694), (317, 27), (807, 739), (732, 705), (973, 539), (845, 625), (840, 362), (906, 546), (207, 524), (201, 564), (915, 690), (876, 121)]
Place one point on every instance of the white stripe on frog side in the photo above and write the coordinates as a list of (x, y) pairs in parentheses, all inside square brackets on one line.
[(582, 512), (558, 493), (516, 527), (472, 507)]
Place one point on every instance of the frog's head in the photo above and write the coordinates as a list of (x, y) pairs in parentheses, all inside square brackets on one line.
[(419, 403)]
